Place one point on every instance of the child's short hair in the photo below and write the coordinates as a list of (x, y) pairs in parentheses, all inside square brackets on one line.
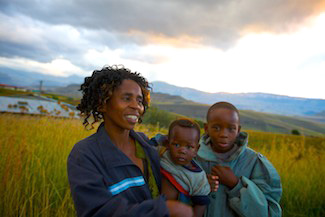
[(226, 105), (184, 122)]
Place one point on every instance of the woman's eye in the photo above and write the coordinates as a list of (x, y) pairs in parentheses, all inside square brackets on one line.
[(176, 145), (126, 98)]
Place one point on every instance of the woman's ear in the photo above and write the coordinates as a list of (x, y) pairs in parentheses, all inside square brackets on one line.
[(102, 108)]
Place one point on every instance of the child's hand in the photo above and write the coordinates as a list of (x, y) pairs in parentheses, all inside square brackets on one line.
[(226, 175), (213, 182)]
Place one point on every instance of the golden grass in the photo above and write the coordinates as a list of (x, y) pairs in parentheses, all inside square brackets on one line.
[(34, 150)]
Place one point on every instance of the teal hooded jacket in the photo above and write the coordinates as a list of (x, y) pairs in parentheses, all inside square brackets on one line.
[(258, 191)]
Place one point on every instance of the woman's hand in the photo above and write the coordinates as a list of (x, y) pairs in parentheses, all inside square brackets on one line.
[(179, 209), (213, 182)]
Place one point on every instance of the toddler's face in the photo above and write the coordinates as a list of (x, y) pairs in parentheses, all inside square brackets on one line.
[(222, 128), (183, 145)]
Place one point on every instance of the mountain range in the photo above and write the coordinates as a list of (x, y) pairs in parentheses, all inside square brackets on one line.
[(250, 120), (261, 102)]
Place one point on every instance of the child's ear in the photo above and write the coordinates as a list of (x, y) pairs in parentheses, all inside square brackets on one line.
[(239, 128), (166, 143), (197, 149), (206, 128)]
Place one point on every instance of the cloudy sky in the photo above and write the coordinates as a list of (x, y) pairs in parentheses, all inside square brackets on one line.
[(231, 46)]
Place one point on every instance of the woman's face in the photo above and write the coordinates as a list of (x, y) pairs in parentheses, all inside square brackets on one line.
[(124, 108)]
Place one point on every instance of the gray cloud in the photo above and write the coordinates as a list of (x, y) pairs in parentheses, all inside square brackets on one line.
[(45, 30), (218, 22)]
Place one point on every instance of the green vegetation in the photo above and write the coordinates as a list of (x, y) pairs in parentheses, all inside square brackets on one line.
[(8, 92), (66, 99), (295, 132), (251, 120), (34, 152), (155, 116), (166, 108)]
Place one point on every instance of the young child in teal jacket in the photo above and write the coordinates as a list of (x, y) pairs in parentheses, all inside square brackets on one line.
[(248, 184)]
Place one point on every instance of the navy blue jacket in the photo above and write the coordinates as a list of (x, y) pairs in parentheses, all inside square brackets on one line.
[(105, 182)]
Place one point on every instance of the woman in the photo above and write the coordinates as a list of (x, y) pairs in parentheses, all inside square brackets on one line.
[(115, 172)]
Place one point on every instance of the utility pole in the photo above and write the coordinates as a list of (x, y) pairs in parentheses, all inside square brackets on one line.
[(40, 87)]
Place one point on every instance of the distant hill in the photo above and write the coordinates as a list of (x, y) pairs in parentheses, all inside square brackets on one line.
[(250, 120), (269, 103), (261, 102), (32, 79), (194, 103), (320, 114), (71, 90)]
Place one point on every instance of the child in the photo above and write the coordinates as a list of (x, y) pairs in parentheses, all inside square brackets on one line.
[(248, 183), (183, 179)]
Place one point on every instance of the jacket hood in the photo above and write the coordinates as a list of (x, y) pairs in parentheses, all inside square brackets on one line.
[(205, 152)]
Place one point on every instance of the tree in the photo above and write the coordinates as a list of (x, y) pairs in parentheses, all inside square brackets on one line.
[(295, 132)]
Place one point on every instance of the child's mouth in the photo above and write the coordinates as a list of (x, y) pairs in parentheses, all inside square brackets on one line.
[(181, 159), (222, 144)]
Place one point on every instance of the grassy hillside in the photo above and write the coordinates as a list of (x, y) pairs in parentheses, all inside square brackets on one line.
[(261, 102), (34, 153), (62, 98), (250, 120), (165, 108)]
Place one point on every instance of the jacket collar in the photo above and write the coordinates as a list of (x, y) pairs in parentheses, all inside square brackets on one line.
[(205, 152), (112, 155)]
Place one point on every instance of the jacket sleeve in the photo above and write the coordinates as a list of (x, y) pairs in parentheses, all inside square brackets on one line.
[(92, 198), (258, 195)]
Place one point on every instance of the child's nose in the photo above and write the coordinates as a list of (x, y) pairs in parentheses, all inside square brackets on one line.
[(182, 150), (223, 133)]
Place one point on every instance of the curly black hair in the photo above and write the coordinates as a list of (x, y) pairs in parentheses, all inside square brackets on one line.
[(99, 87)]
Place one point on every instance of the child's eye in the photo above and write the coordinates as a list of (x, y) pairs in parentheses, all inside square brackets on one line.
[(176, 145), (189, 147)]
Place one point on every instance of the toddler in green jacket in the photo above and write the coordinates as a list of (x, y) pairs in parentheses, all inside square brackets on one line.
[(248, 184)]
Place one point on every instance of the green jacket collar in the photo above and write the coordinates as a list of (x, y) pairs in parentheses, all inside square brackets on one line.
[(208, 154)]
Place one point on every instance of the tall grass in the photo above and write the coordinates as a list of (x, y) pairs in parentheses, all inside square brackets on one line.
[(300, 162), (34, 150)]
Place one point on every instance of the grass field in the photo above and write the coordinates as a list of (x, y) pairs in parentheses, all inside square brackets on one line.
[(34, 150)]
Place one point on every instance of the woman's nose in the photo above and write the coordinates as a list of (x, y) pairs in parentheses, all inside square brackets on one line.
[(135, 104)]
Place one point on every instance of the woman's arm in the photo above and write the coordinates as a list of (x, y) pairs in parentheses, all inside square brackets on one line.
[(92, 198), (199, 210), (168, 189)]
